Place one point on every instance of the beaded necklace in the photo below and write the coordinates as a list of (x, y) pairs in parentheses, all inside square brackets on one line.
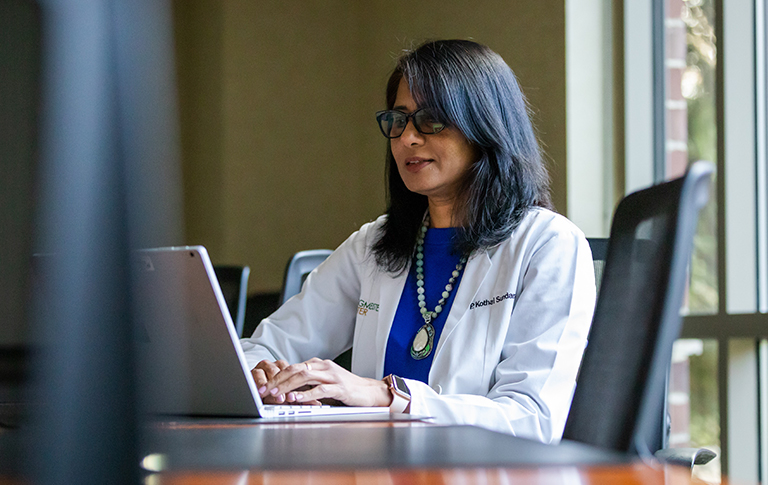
[(423, 341)]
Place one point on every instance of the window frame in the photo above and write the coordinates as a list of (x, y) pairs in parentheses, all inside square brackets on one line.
[(740, 325)]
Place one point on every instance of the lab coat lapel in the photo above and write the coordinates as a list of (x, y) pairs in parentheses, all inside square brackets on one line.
[(477, 269), (390, 291)]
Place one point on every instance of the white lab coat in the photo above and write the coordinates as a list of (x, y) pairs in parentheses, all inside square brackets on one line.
[(512, 344)]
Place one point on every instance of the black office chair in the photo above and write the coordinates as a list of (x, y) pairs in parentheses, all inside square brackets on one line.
[(233, 281), (619, 398), (599, 247)]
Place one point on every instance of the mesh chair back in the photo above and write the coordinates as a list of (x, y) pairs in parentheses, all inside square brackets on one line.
[(233, 281), (619, 398), (599, 248), (300, 265)]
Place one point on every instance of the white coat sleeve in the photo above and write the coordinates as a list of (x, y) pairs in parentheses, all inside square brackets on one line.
[(319, 321), (534, 379)]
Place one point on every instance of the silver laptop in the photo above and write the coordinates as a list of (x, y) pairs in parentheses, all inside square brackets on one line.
[(190, 359)]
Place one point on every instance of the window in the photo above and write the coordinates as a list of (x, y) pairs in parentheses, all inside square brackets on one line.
[(694, 83), (690, 120)]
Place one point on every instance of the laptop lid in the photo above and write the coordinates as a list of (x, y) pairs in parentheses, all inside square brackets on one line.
[(191, 362), (190, 357)]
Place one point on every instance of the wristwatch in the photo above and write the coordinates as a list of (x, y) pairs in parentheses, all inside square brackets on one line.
[(401, 395)]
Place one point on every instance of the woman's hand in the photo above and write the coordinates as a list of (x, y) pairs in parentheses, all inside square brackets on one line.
[(318, 379), (262, 373)]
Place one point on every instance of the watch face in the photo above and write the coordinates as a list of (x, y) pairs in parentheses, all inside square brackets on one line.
[(400, 385)]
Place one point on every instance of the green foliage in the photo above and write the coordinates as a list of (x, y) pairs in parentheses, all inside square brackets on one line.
[(699, 16), (700, 80), (705, 410)]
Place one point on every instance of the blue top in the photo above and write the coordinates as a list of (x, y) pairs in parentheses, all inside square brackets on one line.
[(439, 263)]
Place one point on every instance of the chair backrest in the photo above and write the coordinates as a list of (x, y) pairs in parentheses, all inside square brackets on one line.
[(233, 281), (300, 265), (599, 247), (619, 398)]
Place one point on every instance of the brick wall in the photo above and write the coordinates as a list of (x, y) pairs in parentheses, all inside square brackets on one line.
[(676, 121)]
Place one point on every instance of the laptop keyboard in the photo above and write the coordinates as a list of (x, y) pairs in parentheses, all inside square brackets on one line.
[(292, 410)]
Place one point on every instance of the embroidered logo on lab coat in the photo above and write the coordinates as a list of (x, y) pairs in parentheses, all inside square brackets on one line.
[(363, 307), (491, 301)]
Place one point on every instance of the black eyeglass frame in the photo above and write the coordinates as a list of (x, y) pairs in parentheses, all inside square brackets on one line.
[(412, 117)]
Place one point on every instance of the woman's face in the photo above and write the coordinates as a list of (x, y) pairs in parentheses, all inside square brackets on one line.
[(431, 165)]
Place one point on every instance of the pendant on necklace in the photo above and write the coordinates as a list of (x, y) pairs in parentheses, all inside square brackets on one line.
[(423, 342)]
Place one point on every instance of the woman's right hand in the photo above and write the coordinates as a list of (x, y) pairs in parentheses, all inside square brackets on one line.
[(263, 372)]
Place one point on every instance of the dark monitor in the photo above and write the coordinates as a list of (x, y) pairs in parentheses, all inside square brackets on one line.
[(20, 66), (88, 171)]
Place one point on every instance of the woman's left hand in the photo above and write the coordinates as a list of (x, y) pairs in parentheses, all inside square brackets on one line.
[(327, 380)]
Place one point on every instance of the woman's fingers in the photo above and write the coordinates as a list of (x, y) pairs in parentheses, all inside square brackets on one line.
[(266, 370), (271, 369), (313, 380), (294, 377), (316, 379), (321, 391), (298, 397)]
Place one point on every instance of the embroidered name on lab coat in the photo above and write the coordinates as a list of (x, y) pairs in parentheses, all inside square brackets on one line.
[(491, 301), (363, 307)]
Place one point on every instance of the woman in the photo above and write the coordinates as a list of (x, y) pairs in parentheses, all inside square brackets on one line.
[(469, 289)]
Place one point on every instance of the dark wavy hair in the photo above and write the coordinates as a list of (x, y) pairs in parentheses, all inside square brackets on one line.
[(470, 87)]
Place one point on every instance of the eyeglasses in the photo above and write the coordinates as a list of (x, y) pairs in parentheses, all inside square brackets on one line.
[(393, 122)]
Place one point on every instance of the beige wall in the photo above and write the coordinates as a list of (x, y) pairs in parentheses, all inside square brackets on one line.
[(280, 148)]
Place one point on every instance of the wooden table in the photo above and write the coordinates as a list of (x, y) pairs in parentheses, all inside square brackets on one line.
[(201, 445), (581, 475), (191, 453)]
